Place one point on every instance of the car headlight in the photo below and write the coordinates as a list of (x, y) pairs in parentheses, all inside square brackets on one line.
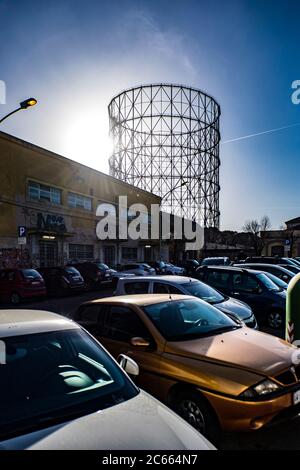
[(260, 390)]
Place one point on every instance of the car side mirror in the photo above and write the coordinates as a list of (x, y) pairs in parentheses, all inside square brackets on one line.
[(140, 342), (129, 365)]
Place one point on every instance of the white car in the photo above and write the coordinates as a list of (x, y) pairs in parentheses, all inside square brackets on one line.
[(62, 390), (175, 270)]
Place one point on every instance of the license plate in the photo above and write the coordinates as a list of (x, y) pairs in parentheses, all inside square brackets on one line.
[(107, 275), (296, 397)]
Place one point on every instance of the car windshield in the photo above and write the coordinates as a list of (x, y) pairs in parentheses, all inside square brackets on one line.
[(279, 282), (31, 273), (268, 283), (51, 377), (181, 320), (214, 262), (203, 291)]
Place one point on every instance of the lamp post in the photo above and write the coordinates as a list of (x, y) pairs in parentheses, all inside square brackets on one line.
[(184, 183), (23, 105)]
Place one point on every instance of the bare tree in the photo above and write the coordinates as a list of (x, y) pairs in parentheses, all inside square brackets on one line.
[(253, 227), (265, 223)]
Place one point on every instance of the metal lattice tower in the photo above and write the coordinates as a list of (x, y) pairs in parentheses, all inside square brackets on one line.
[(166, 136)]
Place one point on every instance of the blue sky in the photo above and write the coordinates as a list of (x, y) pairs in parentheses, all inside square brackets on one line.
[(74, 56)]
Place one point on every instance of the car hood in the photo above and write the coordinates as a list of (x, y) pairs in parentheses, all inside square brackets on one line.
[(140, 423), (243, 348), (240, 309)]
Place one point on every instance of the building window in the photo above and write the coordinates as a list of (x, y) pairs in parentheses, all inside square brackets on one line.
[(40, 192), (129, 253), (109, 254), (81, 252), (79, 202)]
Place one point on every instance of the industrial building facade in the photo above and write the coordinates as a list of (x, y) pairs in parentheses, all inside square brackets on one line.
[(52, 200)]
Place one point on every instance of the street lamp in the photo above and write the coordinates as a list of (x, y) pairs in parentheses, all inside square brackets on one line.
[(184, 183), (23, 105)]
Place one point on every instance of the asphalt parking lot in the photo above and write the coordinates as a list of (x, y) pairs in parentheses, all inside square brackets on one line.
[(283, 436)]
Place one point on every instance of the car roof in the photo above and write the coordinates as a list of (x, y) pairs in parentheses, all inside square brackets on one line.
[(173, 279), (15, 322), (267, 265), (140, 299), (231, 268)]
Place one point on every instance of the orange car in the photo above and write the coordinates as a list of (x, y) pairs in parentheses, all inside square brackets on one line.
[(212, 370)]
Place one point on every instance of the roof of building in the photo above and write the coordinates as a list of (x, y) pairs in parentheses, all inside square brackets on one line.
[(49, 153), (296, 220)]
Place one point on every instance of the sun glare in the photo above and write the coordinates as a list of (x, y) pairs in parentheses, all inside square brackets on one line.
[(86, 140)]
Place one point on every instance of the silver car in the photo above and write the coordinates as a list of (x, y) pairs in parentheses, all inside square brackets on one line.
[(138, 269), (188, 286)]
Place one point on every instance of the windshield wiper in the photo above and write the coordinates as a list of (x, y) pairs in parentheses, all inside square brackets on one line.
[(203, 334), (223, 329)]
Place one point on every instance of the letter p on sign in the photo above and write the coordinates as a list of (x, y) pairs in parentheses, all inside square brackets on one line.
[(21, 231)]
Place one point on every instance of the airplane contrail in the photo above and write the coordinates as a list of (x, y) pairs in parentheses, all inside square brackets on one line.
[(260, 133)]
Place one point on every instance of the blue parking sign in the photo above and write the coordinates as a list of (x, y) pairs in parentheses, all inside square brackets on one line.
[(21, 231)]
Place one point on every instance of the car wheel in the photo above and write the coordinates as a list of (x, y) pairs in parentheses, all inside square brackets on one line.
[(194, 409), (15, 298), (275, 320)]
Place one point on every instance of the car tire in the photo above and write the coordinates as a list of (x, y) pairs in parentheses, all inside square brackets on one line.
[(15, 298), (275, 320), (194, 409)]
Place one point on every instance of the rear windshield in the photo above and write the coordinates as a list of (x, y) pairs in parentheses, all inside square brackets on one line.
[(30, 273), (102, 266), (71, 270)]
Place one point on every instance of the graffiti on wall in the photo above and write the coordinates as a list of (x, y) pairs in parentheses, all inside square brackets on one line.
[(14, 258)]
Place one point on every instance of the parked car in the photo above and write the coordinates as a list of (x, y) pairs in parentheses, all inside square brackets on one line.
[(212, 370), (138, 269), (62, 280), (217, 261), (94, 274), (296, 261), (295, 269), (189, 265), (266, 299), (174, 270), (70, 378), (187, 286), (159, 266), (279, 271), (271, 260), (20, 284)]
